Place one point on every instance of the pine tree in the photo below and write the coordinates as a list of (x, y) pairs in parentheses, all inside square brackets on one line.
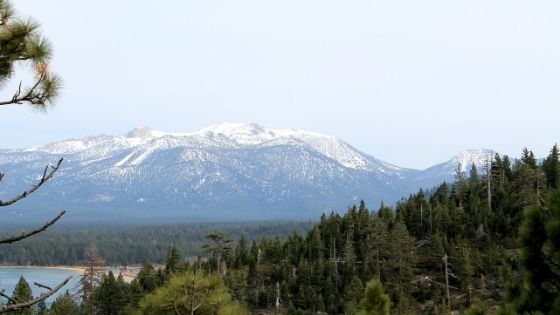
[(241, 256), (379, 244), (110, 297), (540, 244), (220, 248), (477, 309), (41, 308), (331, 296), (22, 45), (103, 297), (64, 305), (375, 301), (551, 168), (122, 296), (312, 299), (320, 304), (191, 293), (467, 270), (528, 158), (22, 293), (135, 293), (460, 186), (349, 258), (385, 214), (147, 277), (526, 182), (172, 261), (353, 295), (301, 298), (473, 178), (402, 262)]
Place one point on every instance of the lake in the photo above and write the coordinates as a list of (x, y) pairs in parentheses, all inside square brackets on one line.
[(9, 276)]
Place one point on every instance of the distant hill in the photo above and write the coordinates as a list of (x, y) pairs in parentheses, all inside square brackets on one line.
[(227, 171)]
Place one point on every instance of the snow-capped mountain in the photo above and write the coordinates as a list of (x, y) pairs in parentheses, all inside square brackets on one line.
[(225, 171), (447, 170)]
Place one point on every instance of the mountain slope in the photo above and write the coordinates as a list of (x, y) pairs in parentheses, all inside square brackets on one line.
[(225, 171)]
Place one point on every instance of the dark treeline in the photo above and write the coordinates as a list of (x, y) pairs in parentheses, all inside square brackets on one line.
[(132, 244)]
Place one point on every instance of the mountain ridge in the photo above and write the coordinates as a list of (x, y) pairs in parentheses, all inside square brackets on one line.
[(225, 170)]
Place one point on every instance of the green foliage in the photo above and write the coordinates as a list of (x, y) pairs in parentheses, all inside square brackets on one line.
[(220, 248), (540, 245), (551, 168), (172, 261), (375, 301), (111, 296), (353, 295), (148, 278), (22, 293), (477, 309), (192, 291), (22, 44), (64, 305), (41, 308), (507, 309)]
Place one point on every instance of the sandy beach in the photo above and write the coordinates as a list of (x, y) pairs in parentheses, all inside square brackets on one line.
[(77, 269), (129, 274)]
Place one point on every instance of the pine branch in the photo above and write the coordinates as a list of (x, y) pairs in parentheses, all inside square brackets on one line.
[(42, 297), (24, 235), (28, 97), (42, 286), (41, 94), (46, 176)]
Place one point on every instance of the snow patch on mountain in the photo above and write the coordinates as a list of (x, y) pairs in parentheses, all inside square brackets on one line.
[(478, 157), (226, 166)]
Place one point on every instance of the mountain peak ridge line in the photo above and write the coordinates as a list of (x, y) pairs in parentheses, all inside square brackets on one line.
[(243, 133), (224, 170)]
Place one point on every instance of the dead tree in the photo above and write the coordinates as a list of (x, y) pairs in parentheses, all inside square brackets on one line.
[(445, 258), (90, 277), (220, 248), (488, 169), (47, 174)]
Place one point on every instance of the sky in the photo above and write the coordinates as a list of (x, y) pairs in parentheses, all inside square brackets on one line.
[(410, 82)]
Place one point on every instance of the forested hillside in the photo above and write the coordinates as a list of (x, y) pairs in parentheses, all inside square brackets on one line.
[(490, 233), (487, 243)]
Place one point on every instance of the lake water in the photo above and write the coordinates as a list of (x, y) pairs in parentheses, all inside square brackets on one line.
[(9, 277)]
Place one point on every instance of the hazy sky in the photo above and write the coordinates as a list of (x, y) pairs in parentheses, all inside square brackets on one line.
[(410, 82)]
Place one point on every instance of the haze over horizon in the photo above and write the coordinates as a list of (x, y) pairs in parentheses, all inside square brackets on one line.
[(409, 83)]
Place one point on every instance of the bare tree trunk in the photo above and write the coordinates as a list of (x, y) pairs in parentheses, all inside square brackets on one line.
[(277, 296), (447, 281), (489, 183)]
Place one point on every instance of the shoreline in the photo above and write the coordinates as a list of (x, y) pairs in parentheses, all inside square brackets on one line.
[(78, 269), (128, 276)]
